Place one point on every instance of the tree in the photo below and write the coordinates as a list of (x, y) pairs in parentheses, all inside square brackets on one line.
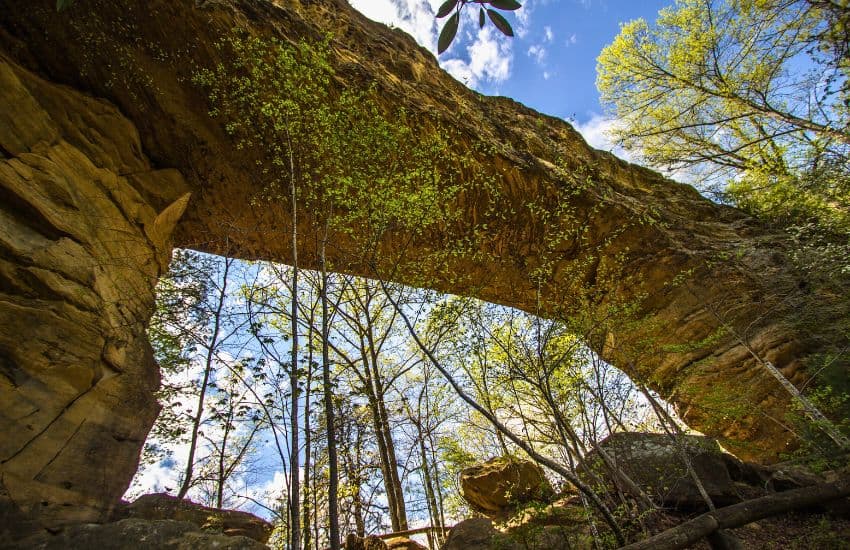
[(210, 342), (367, 330), (278, 98), (509, 434), (176, 327), (753, 93)]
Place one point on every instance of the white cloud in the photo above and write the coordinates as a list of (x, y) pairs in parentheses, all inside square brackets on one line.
[(523, 17), (572, 39), (488, 57), (547, 75), (597, 132), (538, 53), (490, 60), (548, 34), (415, 17)]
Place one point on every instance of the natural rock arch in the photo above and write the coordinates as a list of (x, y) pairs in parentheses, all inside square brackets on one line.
[(92, 191)]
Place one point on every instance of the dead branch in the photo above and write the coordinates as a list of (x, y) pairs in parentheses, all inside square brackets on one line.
[(730, 517)]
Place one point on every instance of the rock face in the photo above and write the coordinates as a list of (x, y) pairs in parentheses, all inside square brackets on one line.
[(403, 543), (81, 247), (654, 462), (480, 534), (230, 522), (471, 534), (353, 542), (139, 534), (501, 484), (86, 219)]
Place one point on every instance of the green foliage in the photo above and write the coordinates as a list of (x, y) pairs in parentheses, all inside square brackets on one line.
[(358, 170), (817, 451), (739, 91), (177, 328), (63, 4), (447, 35)]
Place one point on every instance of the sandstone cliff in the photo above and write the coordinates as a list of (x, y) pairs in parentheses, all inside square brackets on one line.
[(93, 187)]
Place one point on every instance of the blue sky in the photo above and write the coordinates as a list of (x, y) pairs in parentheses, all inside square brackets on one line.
[(550, 65)]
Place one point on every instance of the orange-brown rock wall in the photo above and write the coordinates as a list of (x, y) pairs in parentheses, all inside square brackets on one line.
[(83, 170)]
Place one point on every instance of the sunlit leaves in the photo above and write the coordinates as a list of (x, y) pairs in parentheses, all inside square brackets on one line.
[(726, 89), (450, 29)]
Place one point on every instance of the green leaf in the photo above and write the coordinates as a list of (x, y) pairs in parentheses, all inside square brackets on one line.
[(500, 22), (448, 33), (507, 5), (447, 7), (63, 4), (481, 19)]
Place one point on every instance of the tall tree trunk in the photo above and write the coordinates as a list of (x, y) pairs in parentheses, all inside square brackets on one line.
[(352, 474), (429, 489), (439, 488), (316, 539), (384, 426), (516, 440), (401, 508), (222, 456), (208, 367), (395, 481), (333, 473), (295, 480), (385, 462), (307, 435)]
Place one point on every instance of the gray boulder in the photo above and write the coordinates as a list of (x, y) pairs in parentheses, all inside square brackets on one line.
[(139, 534), (654, 463)]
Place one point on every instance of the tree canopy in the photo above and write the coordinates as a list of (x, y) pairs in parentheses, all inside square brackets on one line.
[(751, 96)]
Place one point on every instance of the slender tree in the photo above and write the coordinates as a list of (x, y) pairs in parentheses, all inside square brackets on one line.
[(210, 350)]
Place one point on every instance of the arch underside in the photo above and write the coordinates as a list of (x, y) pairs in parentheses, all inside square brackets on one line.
[(103, 139)]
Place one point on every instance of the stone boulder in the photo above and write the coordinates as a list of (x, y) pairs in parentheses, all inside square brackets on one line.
[(654, 463), (353, 542), (161, 506), (471, 534), (500, 484), (403, 543), (481, 534), (139, 534)]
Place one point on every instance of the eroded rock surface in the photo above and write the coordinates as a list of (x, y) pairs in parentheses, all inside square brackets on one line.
[(230, 522), (403, 543), (81, 248), (86, 220), (471, 534), (140, 534), (501, 484), (371, 542), (655, 464), (480, 534)]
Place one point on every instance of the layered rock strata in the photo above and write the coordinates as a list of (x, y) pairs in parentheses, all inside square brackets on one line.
[(81, 248), (689, 296)]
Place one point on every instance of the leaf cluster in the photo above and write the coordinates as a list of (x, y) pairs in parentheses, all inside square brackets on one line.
[(447, 35)]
